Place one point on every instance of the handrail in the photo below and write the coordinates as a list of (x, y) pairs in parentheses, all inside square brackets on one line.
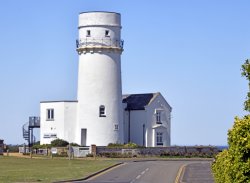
[(34, 121), (106, 42)]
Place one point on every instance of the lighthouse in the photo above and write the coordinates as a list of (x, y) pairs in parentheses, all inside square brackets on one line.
[(101, 114), (99, 92)]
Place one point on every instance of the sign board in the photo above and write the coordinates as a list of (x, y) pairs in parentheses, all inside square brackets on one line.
[(54, 150)]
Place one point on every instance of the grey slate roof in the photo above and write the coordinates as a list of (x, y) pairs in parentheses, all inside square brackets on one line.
[(137, 101)]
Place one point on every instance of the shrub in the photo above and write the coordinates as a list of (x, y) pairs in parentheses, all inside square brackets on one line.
[(131, 145), (115, 145), (74, 144), (13, 148), (43, 146), (59, 143), (89, 155), (128, 145), (233, 165)]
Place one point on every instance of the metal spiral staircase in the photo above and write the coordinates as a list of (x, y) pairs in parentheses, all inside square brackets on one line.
[(34, 122)]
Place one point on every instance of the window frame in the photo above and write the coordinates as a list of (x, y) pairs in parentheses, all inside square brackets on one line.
[(88, 33), (158, 117), (102, 111), (107, 33), (50, 114), (159, 138)]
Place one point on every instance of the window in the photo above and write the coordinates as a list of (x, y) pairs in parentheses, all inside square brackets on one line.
[(116, 127), (107, 33), (88, 33), (159, 139), (102, 111), (158, 117), (50, 114)]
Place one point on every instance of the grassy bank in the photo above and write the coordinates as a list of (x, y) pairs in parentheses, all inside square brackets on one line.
[(14, 169)]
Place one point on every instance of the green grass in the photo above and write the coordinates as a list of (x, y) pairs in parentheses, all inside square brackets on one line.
[(13, 169)]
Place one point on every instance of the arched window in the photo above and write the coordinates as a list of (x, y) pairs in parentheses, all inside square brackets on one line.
[(102, 112), (107, 34)]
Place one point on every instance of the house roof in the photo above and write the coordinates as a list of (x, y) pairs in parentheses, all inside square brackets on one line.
[(138, 101)]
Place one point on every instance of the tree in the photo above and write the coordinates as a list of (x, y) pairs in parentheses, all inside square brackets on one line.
[(246, 72), (233, 165)]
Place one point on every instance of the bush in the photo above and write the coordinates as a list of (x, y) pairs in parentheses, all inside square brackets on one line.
[(115, 145), (59, 143), (131, 145), (128, 145), (221, 167), (13, 148), (43, 146), (233, 165), (89, 155), (74, 144)]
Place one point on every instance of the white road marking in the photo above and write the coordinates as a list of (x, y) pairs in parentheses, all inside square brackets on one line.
[(139, 176)]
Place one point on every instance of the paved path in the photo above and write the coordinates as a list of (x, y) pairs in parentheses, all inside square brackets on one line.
[(197, 173), (150, 172)]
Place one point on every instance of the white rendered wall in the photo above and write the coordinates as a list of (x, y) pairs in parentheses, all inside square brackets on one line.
[(148, 117), (159, 103), (137, 119), (70, 109), (99, 79), (63, 124)]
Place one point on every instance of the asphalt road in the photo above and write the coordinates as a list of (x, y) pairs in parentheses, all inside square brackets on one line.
[(147, 172), (197, 173)]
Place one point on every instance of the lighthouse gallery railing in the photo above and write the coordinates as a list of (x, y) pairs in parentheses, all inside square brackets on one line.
[(107, 42)]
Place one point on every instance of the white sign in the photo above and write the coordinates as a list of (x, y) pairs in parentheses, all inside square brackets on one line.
[(54, 150)]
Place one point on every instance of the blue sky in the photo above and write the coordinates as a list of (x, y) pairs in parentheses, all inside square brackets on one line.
[(190, 51)]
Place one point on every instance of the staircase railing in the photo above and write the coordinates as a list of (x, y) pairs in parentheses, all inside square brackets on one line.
[(27, 128)]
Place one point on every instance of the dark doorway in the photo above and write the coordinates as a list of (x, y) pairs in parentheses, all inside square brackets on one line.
[(83, 136)]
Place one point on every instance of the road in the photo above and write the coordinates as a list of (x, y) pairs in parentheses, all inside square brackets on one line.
[(197, 173), (150, 172)]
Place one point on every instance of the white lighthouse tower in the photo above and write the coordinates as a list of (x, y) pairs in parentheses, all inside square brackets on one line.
[(99, 110)]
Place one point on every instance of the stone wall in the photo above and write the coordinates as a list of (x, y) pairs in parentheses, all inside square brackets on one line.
[(162, 151)]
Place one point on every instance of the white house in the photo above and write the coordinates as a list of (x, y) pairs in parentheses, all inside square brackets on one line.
[(101, 115), (147, 119)]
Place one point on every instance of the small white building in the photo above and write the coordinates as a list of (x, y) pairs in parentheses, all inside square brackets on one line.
[(101, 115), (147, 119), (57, 120)]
